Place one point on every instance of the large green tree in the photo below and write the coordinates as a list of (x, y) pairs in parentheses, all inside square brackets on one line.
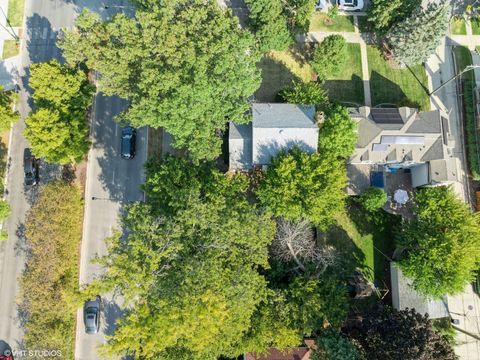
[(383, 14), (332, 345), (183, 65), (416, 38), (398, 335), (306, 93), (300, 185), (329, 56), (7, 114), (299, 13), (189, 271), (269, 24), (57, 129), (338, 134), (442, 243)]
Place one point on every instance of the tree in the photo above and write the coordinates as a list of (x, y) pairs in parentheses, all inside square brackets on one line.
[(57, 130), (329, 56), (373, 198), (442, 243), (299, 13), (416, 38), (5, 210), (183, 65), (306, 93), (332, 345), (7, 115), (295, 240), (269, 24), (299, 185), (399, 335), (55, 137), (189, 272), (383, 14), (338, 135), (53, 230)]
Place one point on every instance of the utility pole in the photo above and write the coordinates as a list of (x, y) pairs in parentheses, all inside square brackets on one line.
[(468, 68)]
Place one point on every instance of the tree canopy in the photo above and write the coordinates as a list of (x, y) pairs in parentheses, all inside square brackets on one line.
[(332, 345), (338, 134), (442, 243), (57, 129), (306, 93), (190, 269), (183, 65), (383, 14), (373, 198), (399, 335), (269, 24), (329, 56), (416, 38), (300, 185), (7, 115)]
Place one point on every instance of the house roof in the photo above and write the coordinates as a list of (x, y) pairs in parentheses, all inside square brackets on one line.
[(300, 353), (405, 296), (274, 127), (392, 135)]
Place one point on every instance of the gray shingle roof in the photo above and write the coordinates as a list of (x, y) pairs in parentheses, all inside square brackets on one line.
[(426, 123), (283, 116)]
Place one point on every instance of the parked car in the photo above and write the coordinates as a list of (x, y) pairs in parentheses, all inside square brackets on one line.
[(350, 5), (320, 5), (30, 168), (127, 148), (91, 315)]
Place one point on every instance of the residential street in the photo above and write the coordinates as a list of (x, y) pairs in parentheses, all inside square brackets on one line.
[(111, 179)]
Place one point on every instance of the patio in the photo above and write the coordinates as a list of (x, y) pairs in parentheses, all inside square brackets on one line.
[(401, 179)]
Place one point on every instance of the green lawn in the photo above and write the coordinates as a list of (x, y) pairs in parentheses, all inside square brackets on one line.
[(10, 49), (458, 26), (321, 22), (363, 25), (363, 240), (15, 12), (280, 69), (475, 26), (463, 58), (398, 86), (347, 87)]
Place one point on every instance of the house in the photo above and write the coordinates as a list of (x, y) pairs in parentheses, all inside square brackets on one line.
[(404, 296), (400, 146), (300, 353), (274, 127)]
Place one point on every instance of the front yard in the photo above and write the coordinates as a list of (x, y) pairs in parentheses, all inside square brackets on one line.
[(15, 12), (10, 49), (321, 22), (347, 87), (397, 86)]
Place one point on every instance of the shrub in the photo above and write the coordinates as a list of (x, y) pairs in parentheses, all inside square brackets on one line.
[(329, 56), (373, 199)]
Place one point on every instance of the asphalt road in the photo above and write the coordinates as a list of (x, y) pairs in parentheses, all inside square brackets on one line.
[(111, 179), (111, 183)]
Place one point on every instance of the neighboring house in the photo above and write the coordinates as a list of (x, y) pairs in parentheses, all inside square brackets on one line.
[(274, 127), (300, 353), (405, 296), (400, 147)]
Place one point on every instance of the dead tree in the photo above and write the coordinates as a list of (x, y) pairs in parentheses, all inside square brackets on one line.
[(295, 240)]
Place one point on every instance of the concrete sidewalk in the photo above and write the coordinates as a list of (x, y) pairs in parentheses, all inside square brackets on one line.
[(9, 68)]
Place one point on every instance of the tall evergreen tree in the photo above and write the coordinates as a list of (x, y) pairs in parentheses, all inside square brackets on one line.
[(415, 39), (383, 14)]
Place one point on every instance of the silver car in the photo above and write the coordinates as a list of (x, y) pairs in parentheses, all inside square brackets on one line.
[(91, 315), (350, 5)]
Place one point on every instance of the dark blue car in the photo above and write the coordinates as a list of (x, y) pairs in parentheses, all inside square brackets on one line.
[(127, 148)]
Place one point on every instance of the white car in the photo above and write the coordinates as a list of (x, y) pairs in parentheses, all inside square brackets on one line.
[(320, 5), (350, 5)]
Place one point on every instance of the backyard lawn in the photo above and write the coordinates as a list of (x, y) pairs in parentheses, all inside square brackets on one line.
[(10, 49), (279, 69), (458, 26), (347, 87), (15, 12), (397, 86), (321, 22), (364, 240)]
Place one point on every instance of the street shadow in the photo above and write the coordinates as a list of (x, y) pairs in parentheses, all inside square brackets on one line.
[(21, 248), (385, 91), (105, 8), (111, 313), (41, 40), (240, 10)]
